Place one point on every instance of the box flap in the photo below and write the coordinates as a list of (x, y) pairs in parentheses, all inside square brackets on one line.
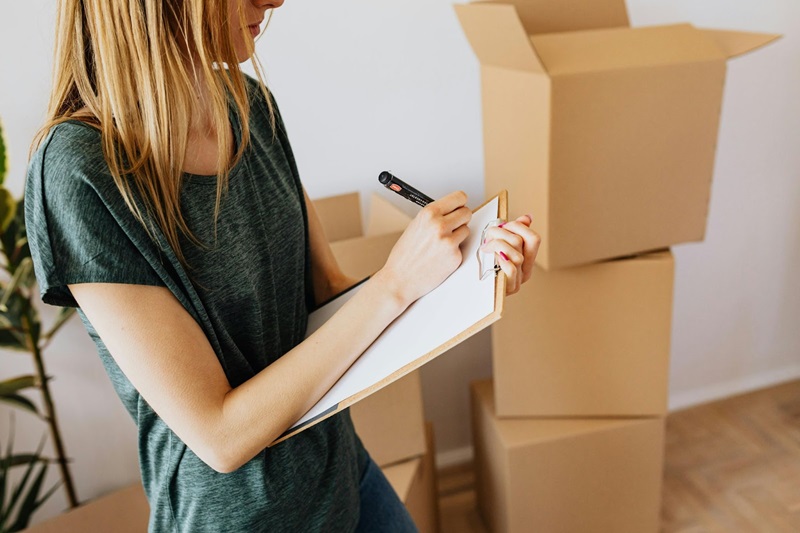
[(340, 216), (384, 217), (363, 256), (498, 37), (736, 43), (549, 16), (620, 48)]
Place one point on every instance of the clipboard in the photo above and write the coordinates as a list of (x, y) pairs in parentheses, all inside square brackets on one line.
[(468, 301)]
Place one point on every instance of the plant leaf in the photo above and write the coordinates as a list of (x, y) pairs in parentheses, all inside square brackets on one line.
[(13, 233), (25, 458), (24, 512), (21, 274), (13, 385), (20, 402), (12, 502), (11, 340), (5, 466), (8, 208), (30, 503), (3, 159)]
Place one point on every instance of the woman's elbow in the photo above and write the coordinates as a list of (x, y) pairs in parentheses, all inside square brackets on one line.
[(220, 461)]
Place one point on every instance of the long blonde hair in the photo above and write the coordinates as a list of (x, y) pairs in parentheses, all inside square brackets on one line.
[(130, 68)]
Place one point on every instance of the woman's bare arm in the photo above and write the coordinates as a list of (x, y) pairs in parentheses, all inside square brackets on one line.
[(168, 359)]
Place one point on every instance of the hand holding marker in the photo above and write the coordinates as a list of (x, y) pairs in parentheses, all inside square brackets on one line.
[(513, 241)]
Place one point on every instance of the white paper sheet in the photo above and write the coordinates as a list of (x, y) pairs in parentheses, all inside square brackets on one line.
[(457, 304)]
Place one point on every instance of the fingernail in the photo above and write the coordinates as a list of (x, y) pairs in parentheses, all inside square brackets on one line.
[(530, 217), (484, 241), (501, 225), (504, 256)]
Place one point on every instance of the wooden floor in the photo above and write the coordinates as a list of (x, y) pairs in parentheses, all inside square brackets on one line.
[(730, 466)]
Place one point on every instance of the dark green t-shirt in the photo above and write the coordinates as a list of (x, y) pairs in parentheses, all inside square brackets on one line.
[(249, 289)]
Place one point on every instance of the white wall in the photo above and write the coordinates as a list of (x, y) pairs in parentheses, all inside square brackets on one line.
[(366, 86)]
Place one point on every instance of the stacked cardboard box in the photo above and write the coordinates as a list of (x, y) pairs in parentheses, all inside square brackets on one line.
[(389, 422), (607, 134), (416, 485)]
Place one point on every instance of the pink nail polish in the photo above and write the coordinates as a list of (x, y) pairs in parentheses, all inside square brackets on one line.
[(504, 256), (501, 225)]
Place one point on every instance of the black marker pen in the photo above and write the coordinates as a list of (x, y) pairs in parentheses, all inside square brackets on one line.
[(403, 189)]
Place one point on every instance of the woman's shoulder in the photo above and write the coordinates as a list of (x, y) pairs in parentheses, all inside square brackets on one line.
[(70, 148), (68, 169)]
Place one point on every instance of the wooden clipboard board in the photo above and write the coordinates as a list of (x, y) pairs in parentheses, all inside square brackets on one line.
[(364, 378)]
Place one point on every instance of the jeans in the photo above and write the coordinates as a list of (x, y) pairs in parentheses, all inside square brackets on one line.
[(381, 509)]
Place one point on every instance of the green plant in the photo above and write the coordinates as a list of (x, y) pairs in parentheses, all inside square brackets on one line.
[(21, 330), (18, 503)]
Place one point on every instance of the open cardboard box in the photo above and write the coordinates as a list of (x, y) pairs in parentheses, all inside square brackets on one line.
[(415, 483), (592, 340), (360, 251), (390, 422), (571, 474), (606, 134)]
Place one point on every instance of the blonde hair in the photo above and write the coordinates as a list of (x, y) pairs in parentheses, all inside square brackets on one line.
[(131, 69)]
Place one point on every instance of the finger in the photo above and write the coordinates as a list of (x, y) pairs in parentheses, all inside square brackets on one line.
[(460, 234), (511, 271), (447, 204), (531, 241), (504, 251), (525, 219), (459, 217), (497, 233)]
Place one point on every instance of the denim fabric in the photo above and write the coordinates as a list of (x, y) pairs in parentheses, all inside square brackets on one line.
[(381, 510)]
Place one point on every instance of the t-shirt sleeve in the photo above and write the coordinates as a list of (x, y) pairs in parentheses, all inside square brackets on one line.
[(72, 233)]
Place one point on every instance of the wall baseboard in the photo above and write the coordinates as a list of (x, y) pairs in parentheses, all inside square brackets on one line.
[(677, 401), (718, 391)]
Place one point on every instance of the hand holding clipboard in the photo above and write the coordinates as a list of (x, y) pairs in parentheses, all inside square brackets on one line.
[(459, 307), (512, 247)]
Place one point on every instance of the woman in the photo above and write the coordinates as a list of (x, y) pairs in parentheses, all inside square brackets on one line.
[(163, 200)]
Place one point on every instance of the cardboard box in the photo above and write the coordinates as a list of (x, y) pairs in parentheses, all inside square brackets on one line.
[(587, 341), (606, 134), (415, 483), (360, 252), (390, 422), (122, 511), (575, 475)]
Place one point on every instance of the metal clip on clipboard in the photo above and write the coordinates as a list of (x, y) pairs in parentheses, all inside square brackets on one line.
[(487, 263)]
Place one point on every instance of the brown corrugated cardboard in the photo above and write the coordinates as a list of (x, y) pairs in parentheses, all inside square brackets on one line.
[(414, 481), (363, 256), (576, 475), (391, 422), (122, 511), (423, 499), (605, 134), (359, 253), (340, 216), (384, 217), (401, 476), (587, 341)]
